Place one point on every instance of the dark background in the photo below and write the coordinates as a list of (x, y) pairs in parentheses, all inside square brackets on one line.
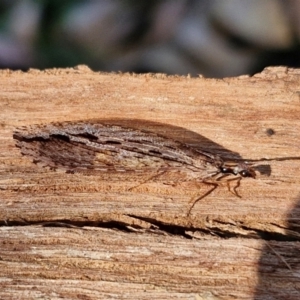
[(209, 37)]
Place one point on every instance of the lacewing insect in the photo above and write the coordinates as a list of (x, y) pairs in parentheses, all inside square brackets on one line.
[(91, 147)]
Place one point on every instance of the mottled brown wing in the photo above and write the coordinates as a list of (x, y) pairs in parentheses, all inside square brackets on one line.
[(101, 147)]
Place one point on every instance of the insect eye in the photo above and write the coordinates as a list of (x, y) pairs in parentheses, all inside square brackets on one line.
[(224, 170), (246, 173)]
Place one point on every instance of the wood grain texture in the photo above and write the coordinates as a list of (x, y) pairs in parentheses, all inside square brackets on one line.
[(99, 262), (230, 247)]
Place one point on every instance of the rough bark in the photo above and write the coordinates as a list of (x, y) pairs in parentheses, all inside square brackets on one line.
[(75, 236)]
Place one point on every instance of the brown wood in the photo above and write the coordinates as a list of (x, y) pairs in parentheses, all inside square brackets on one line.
[(77, 236)]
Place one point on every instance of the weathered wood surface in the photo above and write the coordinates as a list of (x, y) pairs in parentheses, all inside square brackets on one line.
[(75, 236)]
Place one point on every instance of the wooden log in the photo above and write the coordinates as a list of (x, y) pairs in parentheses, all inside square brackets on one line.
[(75, 236)]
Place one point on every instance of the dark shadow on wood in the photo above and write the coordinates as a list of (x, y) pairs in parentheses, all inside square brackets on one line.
[(177, 133), (279, 265)]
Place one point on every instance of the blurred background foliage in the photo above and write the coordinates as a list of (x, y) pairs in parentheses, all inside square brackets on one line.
[(214, 38)]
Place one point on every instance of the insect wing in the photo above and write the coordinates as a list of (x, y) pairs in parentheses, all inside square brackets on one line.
[(101, 147)]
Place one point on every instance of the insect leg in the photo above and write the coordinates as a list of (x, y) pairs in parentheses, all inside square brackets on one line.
[(234, 192), (148, 179), (215, 185), (238, 183)]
